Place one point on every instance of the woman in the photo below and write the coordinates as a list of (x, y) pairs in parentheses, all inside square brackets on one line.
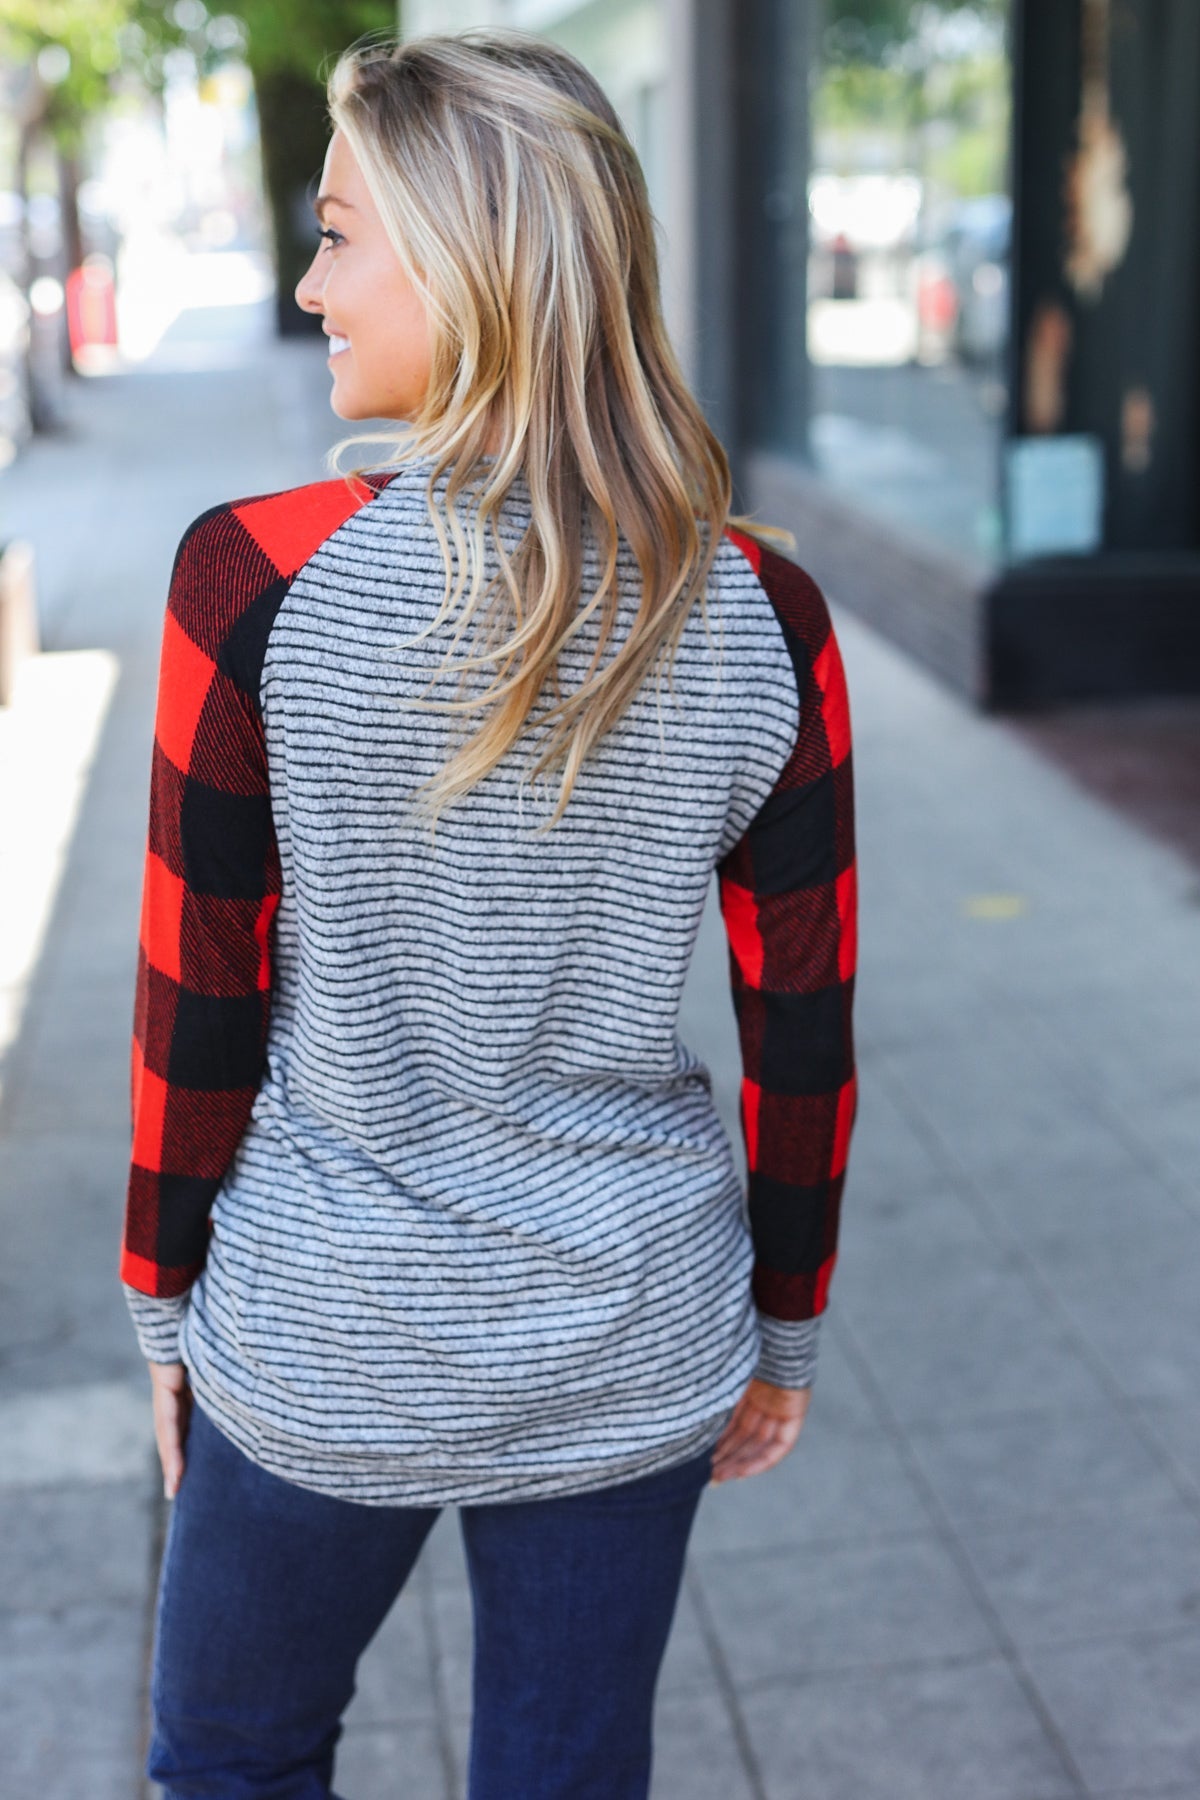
[(428, 1203)]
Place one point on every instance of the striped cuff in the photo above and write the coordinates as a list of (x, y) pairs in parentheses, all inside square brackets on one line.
[(157, 1323), (788, 1357)]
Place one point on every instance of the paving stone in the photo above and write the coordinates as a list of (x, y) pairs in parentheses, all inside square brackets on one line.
[(1126, 1707), (1169, 1124), (442, 1558), (458, 1752), (62, 1314), (72, 1678), (835, 1486), (86, 1433), (1173, 1790), (1176, 1425), (940, 1732), (1087, 1207), (999, 1103), (1138, 1308), (956, 1331), (1041, 1465), (687, 1668), (86, 1025), (887, 1246), (1140, 1066), (53, 1770), (839, 1606), (1112, 1572), (451, 1610), (908, 1006), (890, 1158), (60, 1547), (1139, 756), (1134, 1259), (696, 1754), (391, 1762), (395, 1673)]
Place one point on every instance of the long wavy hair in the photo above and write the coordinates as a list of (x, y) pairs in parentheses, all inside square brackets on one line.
[(517, 206)]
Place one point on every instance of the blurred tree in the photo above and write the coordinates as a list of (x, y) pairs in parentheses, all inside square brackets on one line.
[(891, 66), (291, 44), (873, 30), (71, 53), (65, 59), (77, 52)]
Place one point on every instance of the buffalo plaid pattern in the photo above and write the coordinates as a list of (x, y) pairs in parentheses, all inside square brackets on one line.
[(788, 895), (212, 879)]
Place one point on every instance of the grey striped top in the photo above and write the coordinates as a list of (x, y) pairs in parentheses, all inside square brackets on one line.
[(482, 1236)]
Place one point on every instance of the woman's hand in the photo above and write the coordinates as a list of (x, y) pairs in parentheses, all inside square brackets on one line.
[(765, 1425), (172, 1399)]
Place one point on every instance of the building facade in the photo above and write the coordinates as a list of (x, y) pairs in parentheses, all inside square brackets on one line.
[(933, 268)]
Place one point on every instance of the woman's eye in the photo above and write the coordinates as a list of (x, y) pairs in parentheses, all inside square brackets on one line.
[(331, 235)]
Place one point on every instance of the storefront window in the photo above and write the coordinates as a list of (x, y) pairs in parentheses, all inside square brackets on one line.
[(909, 261)]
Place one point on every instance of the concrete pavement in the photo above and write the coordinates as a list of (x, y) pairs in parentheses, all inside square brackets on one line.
[(979, 1573)]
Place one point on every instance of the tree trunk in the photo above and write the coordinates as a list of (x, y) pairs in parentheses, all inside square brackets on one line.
[(72, 232), (294, 132), (39, 381), (68, 199)]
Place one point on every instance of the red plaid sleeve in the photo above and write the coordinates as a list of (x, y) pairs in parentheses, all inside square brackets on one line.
[(212, 878), (789, 900)]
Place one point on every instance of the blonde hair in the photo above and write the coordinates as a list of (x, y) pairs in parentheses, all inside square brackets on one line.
[(517, 206)]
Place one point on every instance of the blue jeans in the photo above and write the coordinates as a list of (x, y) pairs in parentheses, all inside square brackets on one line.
[(269, 1593)]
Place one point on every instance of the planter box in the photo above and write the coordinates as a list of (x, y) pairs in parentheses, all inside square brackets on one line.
[(18, 612)]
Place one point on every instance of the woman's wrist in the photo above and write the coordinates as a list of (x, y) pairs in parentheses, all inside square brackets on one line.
[(788, 1351)]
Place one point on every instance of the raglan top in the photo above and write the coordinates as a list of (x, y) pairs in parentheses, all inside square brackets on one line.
[(425, 1189)]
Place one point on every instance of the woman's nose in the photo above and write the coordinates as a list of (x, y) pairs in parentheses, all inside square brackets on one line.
[(308, 291)]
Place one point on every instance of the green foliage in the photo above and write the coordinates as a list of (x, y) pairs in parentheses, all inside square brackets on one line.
[(109, 39), (862, 96), (903, 73), (89, 31), (305, 35), (109, 44), (289, 45), (872, 31), (974, 162)]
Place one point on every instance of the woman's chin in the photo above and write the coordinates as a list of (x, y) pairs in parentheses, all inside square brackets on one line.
[(354, 410), (344, 406)]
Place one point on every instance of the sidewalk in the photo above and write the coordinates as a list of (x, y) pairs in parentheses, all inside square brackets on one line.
[(978, 1576)]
